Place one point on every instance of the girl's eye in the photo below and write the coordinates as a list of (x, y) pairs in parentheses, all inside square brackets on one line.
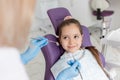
[(76, 36), (65, 37)]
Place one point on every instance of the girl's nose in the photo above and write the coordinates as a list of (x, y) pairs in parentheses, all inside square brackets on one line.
[(71, 41)]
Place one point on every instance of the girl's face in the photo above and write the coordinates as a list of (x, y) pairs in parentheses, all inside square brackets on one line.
[(71, 38)]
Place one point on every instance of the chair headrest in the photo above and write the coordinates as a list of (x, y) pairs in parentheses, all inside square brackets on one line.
[(57, 15)]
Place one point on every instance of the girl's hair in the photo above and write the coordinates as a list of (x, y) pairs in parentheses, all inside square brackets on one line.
[(15, 20), (67, 22), (90, 48)]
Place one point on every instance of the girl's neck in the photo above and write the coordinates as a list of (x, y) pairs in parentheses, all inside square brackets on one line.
[(74, 51)]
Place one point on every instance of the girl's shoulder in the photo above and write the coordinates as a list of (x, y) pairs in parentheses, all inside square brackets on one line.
[(87, 51)]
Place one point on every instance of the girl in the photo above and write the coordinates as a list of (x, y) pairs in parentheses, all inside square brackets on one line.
[(70, 37)]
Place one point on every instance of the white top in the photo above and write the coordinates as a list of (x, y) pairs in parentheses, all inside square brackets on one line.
[(11, 67), (90, 69)]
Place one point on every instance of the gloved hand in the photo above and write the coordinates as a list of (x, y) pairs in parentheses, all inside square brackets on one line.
[(70, 72), (33, 51)]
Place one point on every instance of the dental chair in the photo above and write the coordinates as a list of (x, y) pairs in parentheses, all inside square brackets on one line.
[(53, 50)]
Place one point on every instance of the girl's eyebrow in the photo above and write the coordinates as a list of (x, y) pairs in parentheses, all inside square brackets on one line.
[(64, 35), (69, 35)]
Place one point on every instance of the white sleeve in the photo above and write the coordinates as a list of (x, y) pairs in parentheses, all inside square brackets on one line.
[(11, 67)]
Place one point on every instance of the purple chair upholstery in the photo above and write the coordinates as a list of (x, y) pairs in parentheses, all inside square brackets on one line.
[(53, 51), (57, 15)]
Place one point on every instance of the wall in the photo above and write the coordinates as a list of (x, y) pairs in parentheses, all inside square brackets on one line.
[(80, 10), (115, 5), (41, 20)]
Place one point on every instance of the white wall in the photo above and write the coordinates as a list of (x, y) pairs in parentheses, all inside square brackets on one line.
[(41, 20), (80, 9), (115, 6)]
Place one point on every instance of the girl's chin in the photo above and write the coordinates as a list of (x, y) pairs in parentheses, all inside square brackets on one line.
[(71, 51)]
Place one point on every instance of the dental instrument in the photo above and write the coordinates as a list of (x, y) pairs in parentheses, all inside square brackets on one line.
[(83, 53), (48, 40)]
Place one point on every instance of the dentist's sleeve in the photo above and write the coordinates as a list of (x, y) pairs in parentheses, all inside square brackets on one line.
[(11, 67)]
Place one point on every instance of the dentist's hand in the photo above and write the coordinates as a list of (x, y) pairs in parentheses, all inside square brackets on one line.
[(33, 51), (70, 72)]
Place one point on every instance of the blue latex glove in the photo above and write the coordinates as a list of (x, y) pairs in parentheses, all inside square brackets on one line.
[(33, 51), (70, 72)]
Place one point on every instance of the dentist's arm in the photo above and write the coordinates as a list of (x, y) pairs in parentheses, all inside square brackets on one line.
[(32, 52), (70, 72)]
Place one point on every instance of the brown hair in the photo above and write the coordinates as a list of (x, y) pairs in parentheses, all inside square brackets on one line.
[(90, 48), (68, 22), (15, 20)]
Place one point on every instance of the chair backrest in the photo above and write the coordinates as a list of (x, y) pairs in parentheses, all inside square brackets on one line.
[(57, 15), (53, 51)]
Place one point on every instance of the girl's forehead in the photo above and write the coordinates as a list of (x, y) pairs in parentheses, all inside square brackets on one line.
[(70, 29), (71, 24)]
